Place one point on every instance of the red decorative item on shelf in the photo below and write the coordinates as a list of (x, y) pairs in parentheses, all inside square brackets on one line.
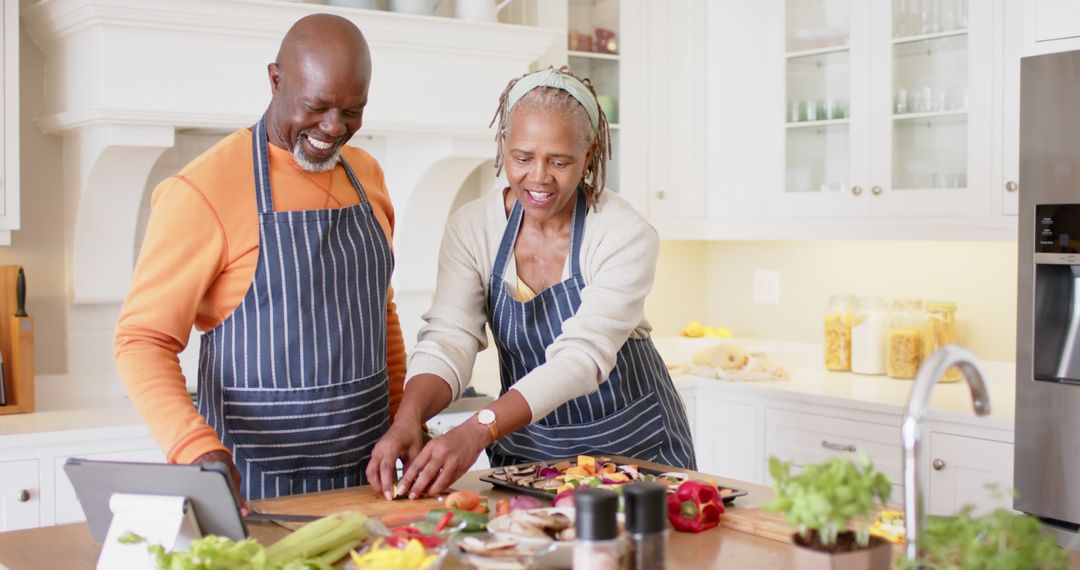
[(605, 41), (584, 42)]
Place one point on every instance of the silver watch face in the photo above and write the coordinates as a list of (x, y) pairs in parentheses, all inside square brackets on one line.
[(485, 416)]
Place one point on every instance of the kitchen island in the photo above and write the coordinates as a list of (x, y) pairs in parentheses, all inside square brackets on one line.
[(71, 547)]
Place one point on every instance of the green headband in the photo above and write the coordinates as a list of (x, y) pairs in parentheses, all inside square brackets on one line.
[(552, 77)]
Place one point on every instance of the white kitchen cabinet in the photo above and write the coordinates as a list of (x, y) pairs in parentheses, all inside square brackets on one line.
[(886, 108), (968, 471), (1007, 105), (675, 87), (9, 122), (1051, 26), (20, 495), (804, 438), (727, 438)]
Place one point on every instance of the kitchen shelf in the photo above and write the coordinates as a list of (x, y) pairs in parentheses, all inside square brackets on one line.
[(816, 52), (935, 36), (957, 114), (594, 55), (818, 124)]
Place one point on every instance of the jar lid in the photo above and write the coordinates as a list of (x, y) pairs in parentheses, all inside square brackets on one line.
[(646, 507), (940, 306), (908, 304), (871, 302), (595, 514)]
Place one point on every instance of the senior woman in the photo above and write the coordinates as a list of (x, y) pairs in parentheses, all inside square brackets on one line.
[(559, 269)]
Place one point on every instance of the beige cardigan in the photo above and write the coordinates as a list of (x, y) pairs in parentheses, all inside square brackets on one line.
[(618, 258)]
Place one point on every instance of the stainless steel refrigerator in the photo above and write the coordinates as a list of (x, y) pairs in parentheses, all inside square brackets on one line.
[(1047, 450)]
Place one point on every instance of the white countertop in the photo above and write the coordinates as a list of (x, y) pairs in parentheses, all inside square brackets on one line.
[(810, 381)]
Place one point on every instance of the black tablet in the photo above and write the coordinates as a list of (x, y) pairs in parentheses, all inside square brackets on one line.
[(206, 486)]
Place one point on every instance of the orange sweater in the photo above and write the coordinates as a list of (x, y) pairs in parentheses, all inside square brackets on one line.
[(197, 262)]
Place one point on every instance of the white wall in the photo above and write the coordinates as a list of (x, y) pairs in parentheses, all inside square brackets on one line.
[(39, 245), (979, 276)]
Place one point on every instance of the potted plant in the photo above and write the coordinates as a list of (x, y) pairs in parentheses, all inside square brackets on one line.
[(832, 504), (1000, 540)]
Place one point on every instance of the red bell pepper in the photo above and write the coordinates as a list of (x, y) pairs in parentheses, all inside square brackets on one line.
[(694, 507)]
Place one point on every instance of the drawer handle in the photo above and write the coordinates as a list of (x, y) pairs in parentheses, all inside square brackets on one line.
[(837, 446), (938, 464), (22, 496)]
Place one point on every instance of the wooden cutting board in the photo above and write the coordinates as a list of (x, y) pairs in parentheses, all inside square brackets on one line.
[(756, 522), (363, 499)]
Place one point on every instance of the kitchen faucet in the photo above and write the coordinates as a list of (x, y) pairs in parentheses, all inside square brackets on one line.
[(912, 429)]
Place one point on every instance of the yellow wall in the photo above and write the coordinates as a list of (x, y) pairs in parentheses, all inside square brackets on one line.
[(679, 289), (980, 277)]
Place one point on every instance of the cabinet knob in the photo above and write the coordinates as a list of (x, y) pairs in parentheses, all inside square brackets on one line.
[(876, 190), (22, 496), (938, 464), (856, 190), (660, 195), (1011, 186)]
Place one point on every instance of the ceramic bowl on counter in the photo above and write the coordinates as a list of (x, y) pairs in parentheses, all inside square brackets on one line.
[(488, 551), (530, 528)]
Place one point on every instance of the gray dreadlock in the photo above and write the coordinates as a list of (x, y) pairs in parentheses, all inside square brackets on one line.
[(560, 101)]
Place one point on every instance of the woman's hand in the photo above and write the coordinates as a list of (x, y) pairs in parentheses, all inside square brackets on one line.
[(224, 458), (444, 460), (403, 440)]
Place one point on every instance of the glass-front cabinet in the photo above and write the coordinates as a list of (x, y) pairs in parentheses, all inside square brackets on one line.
[(886, 108), (594, 42)]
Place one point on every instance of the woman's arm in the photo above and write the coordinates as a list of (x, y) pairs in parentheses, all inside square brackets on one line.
[(441, 363)]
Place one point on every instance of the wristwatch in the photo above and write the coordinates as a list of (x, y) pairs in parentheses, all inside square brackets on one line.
[(487, 417)]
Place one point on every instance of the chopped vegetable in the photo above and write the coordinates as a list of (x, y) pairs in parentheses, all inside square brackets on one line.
[(384, 557), (520, 502), (694, 507), (464, 500), (564, 498), (474, 522)]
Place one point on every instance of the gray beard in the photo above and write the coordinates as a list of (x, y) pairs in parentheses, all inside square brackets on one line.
[(306, 163)]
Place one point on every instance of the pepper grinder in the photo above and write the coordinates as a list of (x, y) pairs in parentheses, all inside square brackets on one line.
[(596, 546), (646, 523)]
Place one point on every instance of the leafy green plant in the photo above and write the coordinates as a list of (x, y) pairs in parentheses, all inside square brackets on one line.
[(1000, 540), (829, 498)]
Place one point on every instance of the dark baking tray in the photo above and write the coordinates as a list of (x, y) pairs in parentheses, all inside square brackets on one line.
[(542, 494)]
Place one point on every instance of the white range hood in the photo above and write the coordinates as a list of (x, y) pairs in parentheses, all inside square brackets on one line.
[(123, 76)]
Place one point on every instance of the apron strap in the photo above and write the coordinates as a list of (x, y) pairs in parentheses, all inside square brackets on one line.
[(507, 245), (260, 150), (577, 233), (261, 162)]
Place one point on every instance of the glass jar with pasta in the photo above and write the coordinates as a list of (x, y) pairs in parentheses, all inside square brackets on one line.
[(939, 329), (904, 348), (838, 333)]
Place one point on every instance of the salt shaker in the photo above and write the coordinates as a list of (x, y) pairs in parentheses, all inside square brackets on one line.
[(646, 523), (596, 546)]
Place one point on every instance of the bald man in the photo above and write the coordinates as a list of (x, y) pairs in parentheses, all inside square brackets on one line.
[(275, 244)]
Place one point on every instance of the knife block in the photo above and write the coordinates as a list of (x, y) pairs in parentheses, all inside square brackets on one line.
[(16, 346)]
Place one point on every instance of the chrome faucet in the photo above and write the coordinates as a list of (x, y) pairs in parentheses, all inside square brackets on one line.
[(918, 402)]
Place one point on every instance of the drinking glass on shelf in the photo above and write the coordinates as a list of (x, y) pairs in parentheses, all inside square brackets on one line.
[(937, 100), (921, 99), (930, 16), (956, 98), (901, 103), (810, 107), (794, 112)]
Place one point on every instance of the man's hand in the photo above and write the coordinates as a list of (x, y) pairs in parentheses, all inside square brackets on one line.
[(403, 440), (444, 460), (219, 456)]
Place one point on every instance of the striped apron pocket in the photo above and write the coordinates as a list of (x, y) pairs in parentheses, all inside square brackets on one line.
[(637, 430), (308, 432)]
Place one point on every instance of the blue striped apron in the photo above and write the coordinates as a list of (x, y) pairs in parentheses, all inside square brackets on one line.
[(635, 413), (294, 382)]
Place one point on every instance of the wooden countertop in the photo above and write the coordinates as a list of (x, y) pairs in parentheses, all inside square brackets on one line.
[(71, 546)]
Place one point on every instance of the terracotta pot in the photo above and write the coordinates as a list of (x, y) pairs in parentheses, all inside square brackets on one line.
[(877, 556)]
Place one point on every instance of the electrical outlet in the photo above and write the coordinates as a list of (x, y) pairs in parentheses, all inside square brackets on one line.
[(766, 289)]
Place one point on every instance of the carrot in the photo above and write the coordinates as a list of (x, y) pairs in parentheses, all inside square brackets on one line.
[(398, 518), (502, 507)]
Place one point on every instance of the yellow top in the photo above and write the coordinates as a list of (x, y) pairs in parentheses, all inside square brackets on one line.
[(523, 293)]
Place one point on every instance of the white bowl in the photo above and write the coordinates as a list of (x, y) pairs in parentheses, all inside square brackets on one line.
[(563, 555)]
